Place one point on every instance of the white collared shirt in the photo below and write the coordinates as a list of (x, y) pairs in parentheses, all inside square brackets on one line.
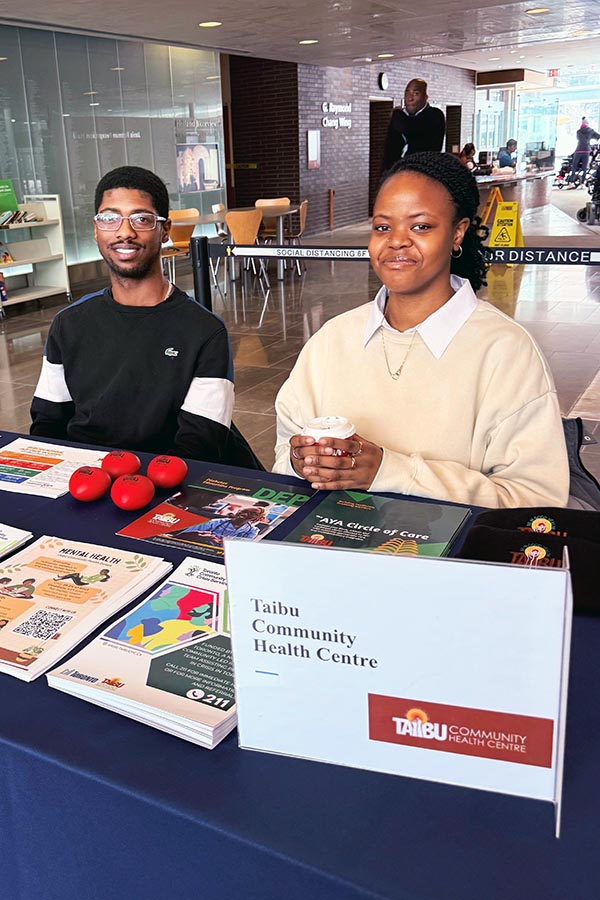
[(418, 112), (438, 329)]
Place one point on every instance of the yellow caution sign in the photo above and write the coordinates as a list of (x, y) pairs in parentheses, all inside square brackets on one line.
[(494, 196), (506, 230)]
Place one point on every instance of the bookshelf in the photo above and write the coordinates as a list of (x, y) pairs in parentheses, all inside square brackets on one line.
[(42, 251)]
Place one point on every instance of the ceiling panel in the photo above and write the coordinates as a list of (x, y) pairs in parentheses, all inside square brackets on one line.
[(459, 32)]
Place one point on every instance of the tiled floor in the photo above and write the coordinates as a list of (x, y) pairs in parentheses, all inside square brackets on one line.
[(560, 305)]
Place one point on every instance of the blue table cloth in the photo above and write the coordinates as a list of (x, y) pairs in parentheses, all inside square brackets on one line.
[(96, 807)]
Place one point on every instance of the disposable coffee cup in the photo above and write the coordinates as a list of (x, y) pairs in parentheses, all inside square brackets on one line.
[(330, 426)]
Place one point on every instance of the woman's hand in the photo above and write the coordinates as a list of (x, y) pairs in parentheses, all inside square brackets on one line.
[(321, 463)]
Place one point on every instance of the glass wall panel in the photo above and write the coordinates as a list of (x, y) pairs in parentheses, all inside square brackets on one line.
[(135, 104), (73, 107), (82, 146), (16, 159)]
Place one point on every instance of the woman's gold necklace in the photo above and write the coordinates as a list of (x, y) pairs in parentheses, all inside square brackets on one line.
[(396, 375)]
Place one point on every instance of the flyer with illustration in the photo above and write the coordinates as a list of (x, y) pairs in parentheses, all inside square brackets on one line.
[(167, 663), (220, 506), (28, 466), (55, 592), (360, 521)]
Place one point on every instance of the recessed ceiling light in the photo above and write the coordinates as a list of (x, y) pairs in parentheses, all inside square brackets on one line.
[(209, 24), (89, 93), (117, 68), (512, 51), (94, 104), (385, 55), (66, 115), (3, 58), (310, 41), (537, 11), (493, 58), (581, 31)]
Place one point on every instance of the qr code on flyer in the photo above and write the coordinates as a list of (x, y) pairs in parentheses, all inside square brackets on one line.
[(43, 625)]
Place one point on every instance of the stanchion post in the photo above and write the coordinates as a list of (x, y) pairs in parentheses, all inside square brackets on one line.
[(201, 271), (330, 195)]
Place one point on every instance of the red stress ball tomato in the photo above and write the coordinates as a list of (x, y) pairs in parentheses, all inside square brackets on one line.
[(89, 483), (167, 471), (132, 491), (121, 462)]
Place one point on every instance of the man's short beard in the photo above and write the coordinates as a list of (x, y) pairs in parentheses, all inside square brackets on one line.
[(141, 271)]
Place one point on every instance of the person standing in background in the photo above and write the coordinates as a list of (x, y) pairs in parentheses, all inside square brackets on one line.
[(414, 128), (581, 157)]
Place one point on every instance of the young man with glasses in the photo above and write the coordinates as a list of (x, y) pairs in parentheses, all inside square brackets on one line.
[(139, 365)]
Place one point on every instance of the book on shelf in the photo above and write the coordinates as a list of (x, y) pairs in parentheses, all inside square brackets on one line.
[(360, 521), (5, 217), (28, 466), (167, 663), (55, 592), (5, 254), (12, 538), (199, 516), (8, 198)]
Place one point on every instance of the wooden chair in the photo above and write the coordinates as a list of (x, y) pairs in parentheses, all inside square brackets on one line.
[(180, 237), (268, 230), (293, 237), (243, 227)]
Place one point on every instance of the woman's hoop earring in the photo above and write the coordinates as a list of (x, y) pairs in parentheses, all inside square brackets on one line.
[(456, 254)]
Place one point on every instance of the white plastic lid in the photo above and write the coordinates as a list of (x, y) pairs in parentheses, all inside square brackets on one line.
[(329, 426)]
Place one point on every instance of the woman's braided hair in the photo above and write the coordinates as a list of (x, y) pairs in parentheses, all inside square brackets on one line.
[(448, 171)]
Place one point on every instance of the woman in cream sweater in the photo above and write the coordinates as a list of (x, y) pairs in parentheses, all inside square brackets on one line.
[(450, 398)]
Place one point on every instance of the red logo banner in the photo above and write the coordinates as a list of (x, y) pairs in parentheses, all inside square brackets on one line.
[(457, 729)]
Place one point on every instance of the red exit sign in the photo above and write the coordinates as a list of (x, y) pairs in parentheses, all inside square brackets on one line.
[(553, 73)]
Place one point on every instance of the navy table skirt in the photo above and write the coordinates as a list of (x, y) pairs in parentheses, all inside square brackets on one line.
[(96, 807)]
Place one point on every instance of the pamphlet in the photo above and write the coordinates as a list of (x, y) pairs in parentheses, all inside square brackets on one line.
[(55, 592), (200, 516), (167, 663), (28, 466), (12, 538), (360, 521)]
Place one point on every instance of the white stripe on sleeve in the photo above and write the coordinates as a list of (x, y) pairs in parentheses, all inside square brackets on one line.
[(211, 398), (52, 385)]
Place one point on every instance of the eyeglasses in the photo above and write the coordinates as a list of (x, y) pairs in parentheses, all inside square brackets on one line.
[(141, 221)]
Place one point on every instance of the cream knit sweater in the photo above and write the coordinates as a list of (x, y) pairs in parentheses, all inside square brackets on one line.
[(479, 425)]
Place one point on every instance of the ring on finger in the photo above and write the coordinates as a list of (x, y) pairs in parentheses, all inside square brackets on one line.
[(294, 454), (361, 447), (352, 462)]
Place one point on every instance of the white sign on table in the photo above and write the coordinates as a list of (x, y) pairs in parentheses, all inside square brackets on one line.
[(442, 669)]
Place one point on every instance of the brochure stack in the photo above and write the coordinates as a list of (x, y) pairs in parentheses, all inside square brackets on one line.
[(167, 663)]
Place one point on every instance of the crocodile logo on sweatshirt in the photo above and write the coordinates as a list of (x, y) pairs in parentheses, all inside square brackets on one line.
[(170, 351)]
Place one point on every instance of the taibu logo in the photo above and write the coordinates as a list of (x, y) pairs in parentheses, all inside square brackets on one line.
[(456, 729)]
